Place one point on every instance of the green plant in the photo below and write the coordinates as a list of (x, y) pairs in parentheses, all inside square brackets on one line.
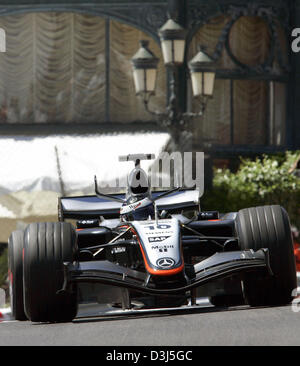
[(270, 179)]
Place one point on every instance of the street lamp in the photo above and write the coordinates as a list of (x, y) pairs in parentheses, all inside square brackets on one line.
[(144, 64), (172, 38), (144, 71), (202, 76)]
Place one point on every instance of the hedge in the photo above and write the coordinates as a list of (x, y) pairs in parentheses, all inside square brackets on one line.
[(270, 179)]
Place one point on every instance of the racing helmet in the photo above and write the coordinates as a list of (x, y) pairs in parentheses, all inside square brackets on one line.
[(138, 184), (138, 205)]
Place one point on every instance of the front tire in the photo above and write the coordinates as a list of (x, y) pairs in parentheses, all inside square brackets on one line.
[(15, 274), (46, 247), (268, 227)]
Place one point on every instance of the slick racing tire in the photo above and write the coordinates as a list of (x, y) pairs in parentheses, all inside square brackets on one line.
[(46, 247), (268, 227), (15, 274)]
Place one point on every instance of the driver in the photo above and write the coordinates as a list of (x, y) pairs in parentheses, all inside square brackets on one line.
[(138, 205)]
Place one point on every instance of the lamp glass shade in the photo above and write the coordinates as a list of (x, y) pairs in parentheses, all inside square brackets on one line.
[(173, 51), (144, 81), (203, 83)]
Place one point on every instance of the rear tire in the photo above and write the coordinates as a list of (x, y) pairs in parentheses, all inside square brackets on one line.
[(46, 247), (15, 274), (268, 227)]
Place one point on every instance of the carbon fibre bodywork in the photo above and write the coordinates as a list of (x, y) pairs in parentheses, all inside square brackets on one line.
[(213, 268), (200, 252)]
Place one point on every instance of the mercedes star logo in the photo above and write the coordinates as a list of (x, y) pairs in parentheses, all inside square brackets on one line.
[(165, 262)]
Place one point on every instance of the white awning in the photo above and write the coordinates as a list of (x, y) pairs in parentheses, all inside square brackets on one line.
[(30, 163)]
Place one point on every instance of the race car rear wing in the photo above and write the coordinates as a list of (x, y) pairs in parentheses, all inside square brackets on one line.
[(81, 207)]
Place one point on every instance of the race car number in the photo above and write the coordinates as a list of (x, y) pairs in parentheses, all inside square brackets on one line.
[(159, 226)]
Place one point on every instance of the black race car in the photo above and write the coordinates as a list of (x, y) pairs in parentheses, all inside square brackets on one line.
[(158, 248)]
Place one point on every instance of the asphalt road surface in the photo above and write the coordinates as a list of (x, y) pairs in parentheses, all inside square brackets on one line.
[(203, 325)]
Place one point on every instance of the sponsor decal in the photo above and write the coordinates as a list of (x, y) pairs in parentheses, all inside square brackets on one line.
[(134, 207), (165, 262), (155, 239), (158, 232), (162, 248), (118, 250)]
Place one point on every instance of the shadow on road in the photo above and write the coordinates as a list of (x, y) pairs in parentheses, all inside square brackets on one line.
[(139, 314)]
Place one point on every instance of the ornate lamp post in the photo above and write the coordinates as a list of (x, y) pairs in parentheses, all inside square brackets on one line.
[(144, 72), (172, 37), (203, 77), (144, 64)]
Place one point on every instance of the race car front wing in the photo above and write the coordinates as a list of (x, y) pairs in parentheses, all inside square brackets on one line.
[(217, 266)]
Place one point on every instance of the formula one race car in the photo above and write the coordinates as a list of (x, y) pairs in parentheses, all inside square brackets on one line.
[(158, 249)]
